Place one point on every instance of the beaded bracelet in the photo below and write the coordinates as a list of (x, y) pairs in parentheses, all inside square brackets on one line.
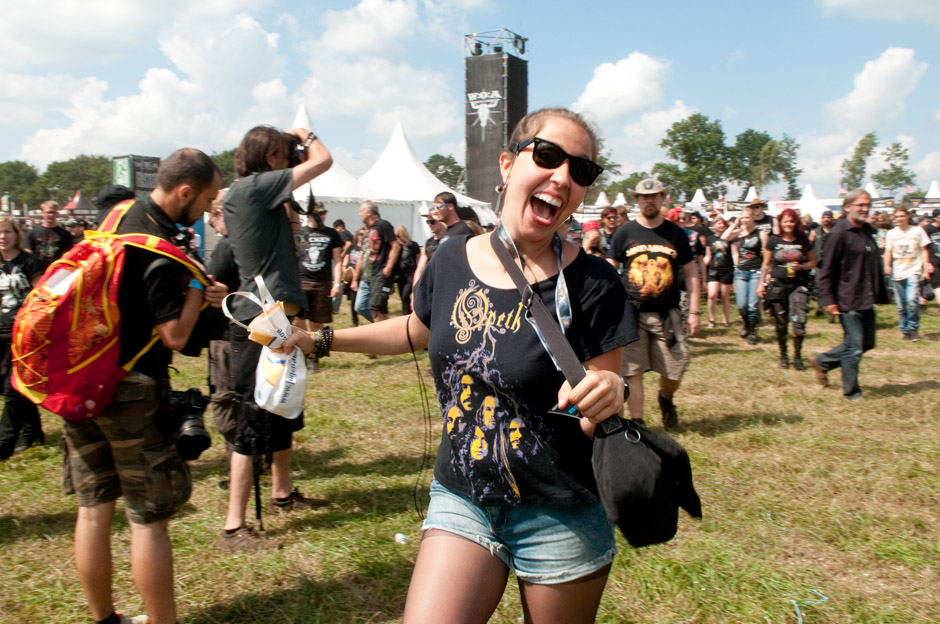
[(322, 342)]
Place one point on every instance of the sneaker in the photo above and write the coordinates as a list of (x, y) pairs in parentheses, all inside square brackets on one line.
[(784, 363), (913, 336), (752, 338), (245, 539), (668, 408), (711, 325), (905, 336), (297, 502), (223, 484), (137, 619), (821, 378), (24, 445)]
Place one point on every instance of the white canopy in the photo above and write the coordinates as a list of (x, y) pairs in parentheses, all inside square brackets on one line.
[(699, 197), (872, 191), (621, 200), (934, 191), (808, 204), (751, 194), (602, 199)]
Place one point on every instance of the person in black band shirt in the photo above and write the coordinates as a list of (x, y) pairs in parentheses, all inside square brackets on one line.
[(657, 258), (788, 259), (850, 282), (123, 451), (48, 240), (430, 246), (504, 458), (719, 271), (256, 217)]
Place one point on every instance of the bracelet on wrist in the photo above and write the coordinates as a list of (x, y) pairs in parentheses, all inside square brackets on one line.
[(311, 137), (322, 342)]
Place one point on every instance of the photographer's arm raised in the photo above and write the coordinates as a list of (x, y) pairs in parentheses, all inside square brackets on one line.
[(318, 160)]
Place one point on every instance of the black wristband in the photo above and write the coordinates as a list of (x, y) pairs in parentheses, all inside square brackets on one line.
[(311, 137)]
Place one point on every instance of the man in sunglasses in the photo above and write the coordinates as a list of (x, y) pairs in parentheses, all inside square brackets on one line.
[(444, 210), (656, 258), (610, 221), (430, 246)]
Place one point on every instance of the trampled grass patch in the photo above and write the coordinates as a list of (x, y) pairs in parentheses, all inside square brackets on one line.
[(811, 502)]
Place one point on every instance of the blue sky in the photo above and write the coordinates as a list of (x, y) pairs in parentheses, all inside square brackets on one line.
[(146, 78)]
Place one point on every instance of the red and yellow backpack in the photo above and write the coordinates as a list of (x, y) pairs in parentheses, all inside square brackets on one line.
[(66, 337)]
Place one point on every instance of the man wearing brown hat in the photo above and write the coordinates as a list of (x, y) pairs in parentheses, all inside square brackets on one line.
[(656, 257)]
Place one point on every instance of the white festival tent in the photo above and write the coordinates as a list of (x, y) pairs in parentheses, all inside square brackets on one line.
[(620, 201), (399, 174), (934, 191), (808, 204), (872, 191), (699, 197), (602, 201), (751, 195)]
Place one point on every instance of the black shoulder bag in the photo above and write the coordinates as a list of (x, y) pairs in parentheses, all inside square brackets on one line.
[(643, 476)]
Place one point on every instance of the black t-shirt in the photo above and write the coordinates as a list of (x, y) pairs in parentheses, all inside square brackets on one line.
[(262, 239), (381, 235), (48, 244), (783, 254), (152, 290), (695, 242), (458, 229), (749, 251), (653, 261), (408, 260), (721, 261), (16, 280), (495, 382), (765, 224), (315, 253), (430, 246), (933, 233)]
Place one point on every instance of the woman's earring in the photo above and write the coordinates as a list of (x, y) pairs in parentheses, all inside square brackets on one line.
[(500, 188)]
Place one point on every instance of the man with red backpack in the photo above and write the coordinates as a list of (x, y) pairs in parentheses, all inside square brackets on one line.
[(127, 449)]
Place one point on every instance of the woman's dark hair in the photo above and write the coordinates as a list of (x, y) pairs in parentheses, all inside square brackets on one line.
[(799, 230), (259, 143)]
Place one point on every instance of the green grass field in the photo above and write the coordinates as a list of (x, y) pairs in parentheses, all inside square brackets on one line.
[(814, 506)]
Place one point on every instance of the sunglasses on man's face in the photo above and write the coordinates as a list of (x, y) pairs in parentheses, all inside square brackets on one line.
[(547, 155)]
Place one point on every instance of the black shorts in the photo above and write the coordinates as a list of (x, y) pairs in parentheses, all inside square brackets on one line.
[(318, 301), (257, 432), (380, 287), (723, 277)]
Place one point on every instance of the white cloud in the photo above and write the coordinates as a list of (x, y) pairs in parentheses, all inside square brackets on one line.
[(225, 84), (371, 28), (927, 169), (897, 10), (936, 117), (624, 88), (879, 91), (636, 146)]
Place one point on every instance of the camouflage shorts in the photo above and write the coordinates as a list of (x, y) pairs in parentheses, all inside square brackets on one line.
[(121, 451)]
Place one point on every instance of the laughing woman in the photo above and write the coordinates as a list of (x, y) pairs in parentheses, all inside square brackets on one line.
[(513, 487)]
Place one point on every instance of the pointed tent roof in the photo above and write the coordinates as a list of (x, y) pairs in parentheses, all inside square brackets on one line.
[(302, 119), (808, 204), (872, 191), (751, 194), (400, 174), (79, 205), (621, 200), (934, 191), (340, 185), (699, 197), (602, 199)]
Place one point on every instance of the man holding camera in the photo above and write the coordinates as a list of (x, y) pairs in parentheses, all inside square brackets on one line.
[(128, 449), (270, 165)]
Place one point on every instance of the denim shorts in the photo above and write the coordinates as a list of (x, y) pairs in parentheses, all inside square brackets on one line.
[(543, 545)]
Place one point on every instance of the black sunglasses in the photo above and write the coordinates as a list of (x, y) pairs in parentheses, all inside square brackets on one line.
[(549, 156)]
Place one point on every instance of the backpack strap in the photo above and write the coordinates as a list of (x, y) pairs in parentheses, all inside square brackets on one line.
[(160, 246), (110, 223)]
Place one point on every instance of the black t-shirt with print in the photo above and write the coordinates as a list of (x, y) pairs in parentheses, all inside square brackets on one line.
[(749, 251), (495, 382), (784, 253), (16, 280), (653, 261), (765, 224), (721, 261), (933, 233), (48, 244), (315, 253)]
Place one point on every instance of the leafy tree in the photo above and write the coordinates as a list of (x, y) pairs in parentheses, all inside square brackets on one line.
[(61, 179), (698, 145), (764, 171), (603, 181), (16, 178), (787, 165), (744, 156), (896, 175), (626, 185), (445, 168), (226, 163), (853, 169)]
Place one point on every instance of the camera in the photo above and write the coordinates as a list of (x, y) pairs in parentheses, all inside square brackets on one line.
[(297, 152), (183, 414)]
